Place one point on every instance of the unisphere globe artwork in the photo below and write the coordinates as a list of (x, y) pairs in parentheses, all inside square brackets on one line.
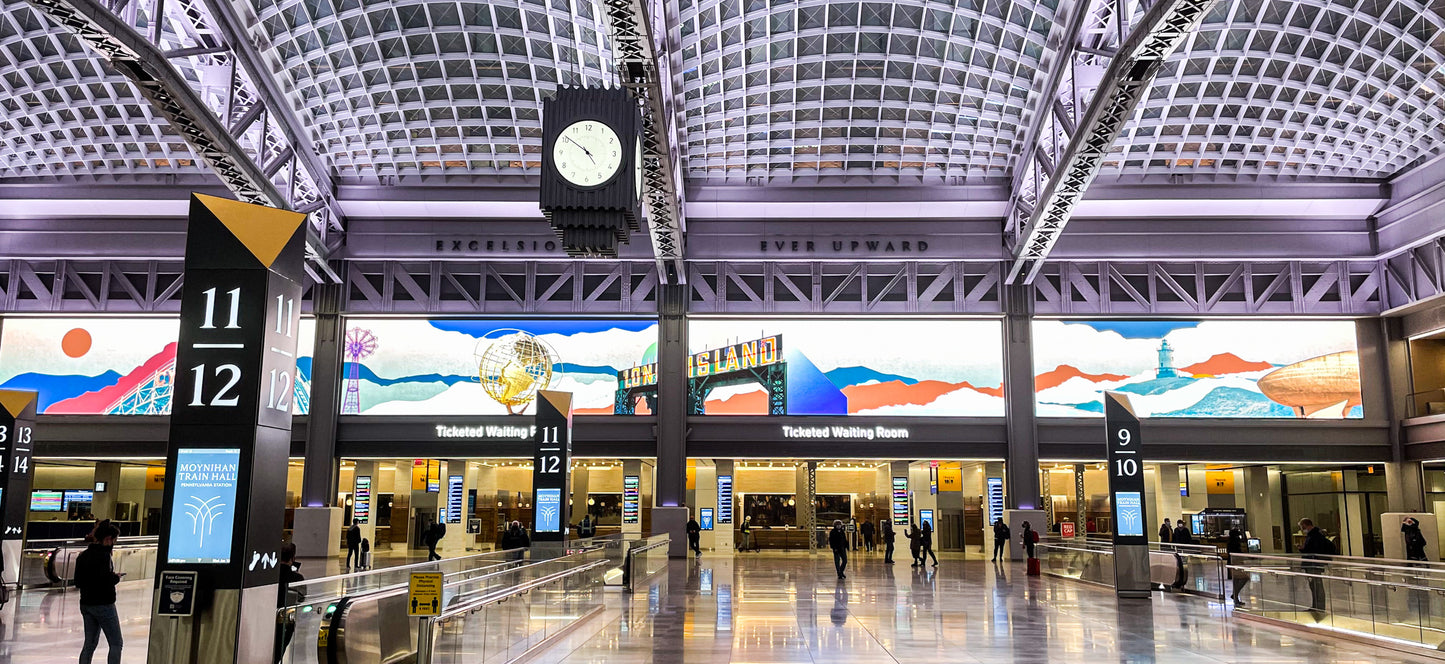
[(513, 366)]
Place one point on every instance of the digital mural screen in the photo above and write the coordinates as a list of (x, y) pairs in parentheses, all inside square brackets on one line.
[(110, 366), (203, 506), (1199, 368), (839, 367), (411, 366)]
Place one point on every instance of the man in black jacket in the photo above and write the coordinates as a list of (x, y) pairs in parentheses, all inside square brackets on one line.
[(96, 578), (353, 543), (1316, 546), (290, 574), (694, 535), (1001, 537), (1165, 532), (867, 530), (838, 541), (1182, 534)]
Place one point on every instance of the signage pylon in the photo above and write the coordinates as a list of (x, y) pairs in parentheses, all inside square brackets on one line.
[(230, 435), (17, 445), (552, 466), (1126, 494)]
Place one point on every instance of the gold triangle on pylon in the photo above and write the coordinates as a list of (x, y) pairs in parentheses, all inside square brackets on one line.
[(263, 230), (562, 401), (16, 401)]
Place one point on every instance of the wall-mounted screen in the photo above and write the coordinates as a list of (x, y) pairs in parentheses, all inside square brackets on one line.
[(725, 499), (704, 518), (203, 506), (901, 509), (47, 501), (549, 510), (361, 499), (843, 367), (78, 496), (489, 367), (926, 516), (631, 499), (995, 499), (455, 496), (109, 366), (1199, 368)]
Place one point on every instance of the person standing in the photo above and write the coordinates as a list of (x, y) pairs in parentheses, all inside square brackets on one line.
[(888, 537), (353, 544), (854, 534), (838, 541), (1316, 546), (586, 529), (1235, 544), (1030, 538), (915, 543), (1165, 532), (1001, 535), (867, 529), (96, 578), (694, 534), (1182, 534), (1414, 540), (747, 530), (516, 538), (286, 596), (928, 545)]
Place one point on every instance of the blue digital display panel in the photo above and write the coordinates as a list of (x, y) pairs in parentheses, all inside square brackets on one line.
[(454, 499), (1129, 506), (926, 516), (995, 499), (705, 516), (204, 506), (549, 510)]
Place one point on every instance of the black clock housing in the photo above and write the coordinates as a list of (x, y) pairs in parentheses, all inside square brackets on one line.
[(592, 221)]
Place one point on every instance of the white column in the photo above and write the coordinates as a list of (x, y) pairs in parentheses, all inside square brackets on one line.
[(705, 492)]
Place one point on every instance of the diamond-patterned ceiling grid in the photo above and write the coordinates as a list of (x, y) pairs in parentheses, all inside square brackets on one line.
[(912, 90), (65, 113), (1309, 88), (423, 88)]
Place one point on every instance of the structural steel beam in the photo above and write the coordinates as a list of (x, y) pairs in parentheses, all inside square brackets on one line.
[(1125, 82), (639, 41), (234, 134)]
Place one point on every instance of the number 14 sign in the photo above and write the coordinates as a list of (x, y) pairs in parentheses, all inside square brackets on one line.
[(1126, 469)]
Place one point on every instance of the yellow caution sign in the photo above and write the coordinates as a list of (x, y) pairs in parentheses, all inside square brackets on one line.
[(424, 594)]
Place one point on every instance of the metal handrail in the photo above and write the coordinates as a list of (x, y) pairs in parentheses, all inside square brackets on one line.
[(1347, 561), (627, 561), (446, 580), (1345, 579), (399, 568), (428, 623)]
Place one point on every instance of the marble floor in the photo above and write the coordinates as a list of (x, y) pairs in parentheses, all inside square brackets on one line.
[(789, 608)]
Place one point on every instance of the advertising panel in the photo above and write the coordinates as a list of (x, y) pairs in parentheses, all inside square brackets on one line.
[(1199, 368), (110, 366), (488, 367), (549, 510), (203, 506), (705, 518), (836, 367)]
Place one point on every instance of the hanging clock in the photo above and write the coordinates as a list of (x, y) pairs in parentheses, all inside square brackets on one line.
[(591, 168)]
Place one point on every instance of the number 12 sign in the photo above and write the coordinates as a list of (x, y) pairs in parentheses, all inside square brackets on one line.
[(1126, 469)]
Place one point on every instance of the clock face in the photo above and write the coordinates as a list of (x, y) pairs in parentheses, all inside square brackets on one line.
[(637, 169), (587, 153)]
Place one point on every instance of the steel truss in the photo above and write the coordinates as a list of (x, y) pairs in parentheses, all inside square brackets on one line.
[(511, 288), (1211, 289), (642, 61), (629, 288), (1091, 134), (181, 60)]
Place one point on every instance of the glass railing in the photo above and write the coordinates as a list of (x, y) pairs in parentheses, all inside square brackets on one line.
[(508, 624), (1375, 570), (1309, 594), (1090, 562), (645, 558), (389, 577), (52, 562)]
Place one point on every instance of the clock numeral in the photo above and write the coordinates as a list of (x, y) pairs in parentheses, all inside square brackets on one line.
[(221, 397), (235, 314)]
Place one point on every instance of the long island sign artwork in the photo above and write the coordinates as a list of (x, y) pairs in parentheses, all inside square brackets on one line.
[(758, 362)]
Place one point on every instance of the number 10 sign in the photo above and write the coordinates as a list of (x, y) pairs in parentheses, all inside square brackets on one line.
[(1126, 469)]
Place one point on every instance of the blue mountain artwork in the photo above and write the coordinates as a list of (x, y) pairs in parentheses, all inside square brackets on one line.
[(53, 389)]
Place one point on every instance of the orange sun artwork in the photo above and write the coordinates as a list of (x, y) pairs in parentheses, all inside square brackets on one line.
[(76, 342)]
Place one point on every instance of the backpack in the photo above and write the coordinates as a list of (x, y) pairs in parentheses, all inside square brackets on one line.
[(365, 545), (1034, 536)]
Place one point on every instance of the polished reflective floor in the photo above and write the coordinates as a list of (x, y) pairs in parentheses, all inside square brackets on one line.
[(789, 608)]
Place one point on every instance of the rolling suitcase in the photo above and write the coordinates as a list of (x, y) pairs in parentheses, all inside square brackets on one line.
[(1034, 567), (365, 554)]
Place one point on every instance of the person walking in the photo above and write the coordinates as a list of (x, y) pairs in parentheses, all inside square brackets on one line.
[(1316, 547), (1001, 535), (1182, 534), (1235, 544), (287, 596), (838, 541), (353, 544), (96, 578), (915, 543), (888, 537), (694, 533), (1165, 532), (928, 544), (867, 529), (1414, 540), (434, 537)]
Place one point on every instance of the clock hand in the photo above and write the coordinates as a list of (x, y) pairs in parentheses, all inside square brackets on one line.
[(584, 149)]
